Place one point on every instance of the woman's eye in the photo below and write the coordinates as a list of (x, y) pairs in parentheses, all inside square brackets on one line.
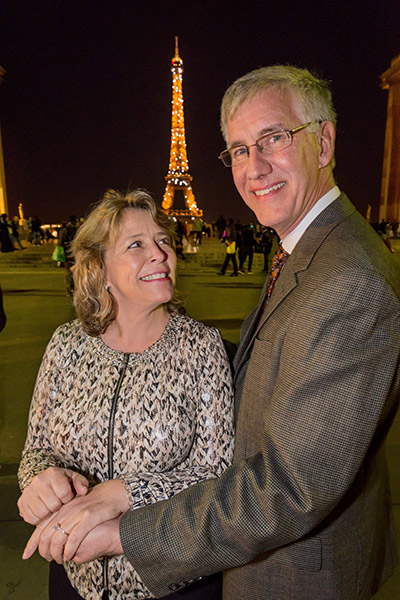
[(164, 241), (134, 245)]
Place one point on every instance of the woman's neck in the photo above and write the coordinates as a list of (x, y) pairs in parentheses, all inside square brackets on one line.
[(135, 333)]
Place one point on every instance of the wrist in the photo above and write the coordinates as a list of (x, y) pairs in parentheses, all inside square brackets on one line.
[(115, 546)]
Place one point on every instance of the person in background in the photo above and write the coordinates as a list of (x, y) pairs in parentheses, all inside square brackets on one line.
[(230, 256), (267, 240), (65, 238), (133, 401), (3, 318), (246, 248), (36, 231), (14, 233), (5, 239)]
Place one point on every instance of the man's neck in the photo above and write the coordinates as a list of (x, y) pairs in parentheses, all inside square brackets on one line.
[(290, 240)]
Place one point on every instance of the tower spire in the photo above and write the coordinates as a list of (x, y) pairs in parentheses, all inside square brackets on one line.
[(178, 177)]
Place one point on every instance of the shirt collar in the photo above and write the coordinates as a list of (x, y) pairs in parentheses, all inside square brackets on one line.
[(289, 242)]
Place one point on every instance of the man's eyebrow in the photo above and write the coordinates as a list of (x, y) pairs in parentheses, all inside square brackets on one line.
[(271, 129), (264, 131)]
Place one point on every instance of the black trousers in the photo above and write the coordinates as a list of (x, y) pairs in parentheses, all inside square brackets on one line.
[(229, 257), (209, 588)]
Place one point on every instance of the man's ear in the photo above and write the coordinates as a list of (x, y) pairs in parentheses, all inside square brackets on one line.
[(326, 143)]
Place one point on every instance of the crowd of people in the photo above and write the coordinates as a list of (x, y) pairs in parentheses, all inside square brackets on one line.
[(16, 230)]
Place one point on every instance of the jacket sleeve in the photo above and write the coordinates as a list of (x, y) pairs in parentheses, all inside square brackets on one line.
[(37, 454), (212, 449), (321, 416)]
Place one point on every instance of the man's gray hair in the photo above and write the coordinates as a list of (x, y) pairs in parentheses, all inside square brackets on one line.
[(312, 97)]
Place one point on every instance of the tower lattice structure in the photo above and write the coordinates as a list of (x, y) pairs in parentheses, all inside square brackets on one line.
[(178, 177)]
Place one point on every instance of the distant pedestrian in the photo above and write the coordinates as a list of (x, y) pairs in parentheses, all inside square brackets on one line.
[(5, 240), (246, 249), (220, 224), (197, 230), (14, 233), (65, 238), (36, 230), (230, 256), (3, 317), (267, 240)]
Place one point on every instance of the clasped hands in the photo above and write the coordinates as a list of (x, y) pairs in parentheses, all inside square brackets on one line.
[(72, 523)]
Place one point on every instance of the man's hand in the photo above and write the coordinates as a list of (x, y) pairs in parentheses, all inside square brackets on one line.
[(104, 502), (48, 491)]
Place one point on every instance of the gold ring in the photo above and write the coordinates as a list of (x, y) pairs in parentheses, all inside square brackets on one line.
[(58, 527)]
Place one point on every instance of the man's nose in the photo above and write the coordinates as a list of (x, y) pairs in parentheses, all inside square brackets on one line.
[(258, 163)]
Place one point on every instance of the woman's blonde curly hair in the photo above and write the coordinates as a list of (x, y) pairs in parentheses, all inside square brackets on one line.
[(95, 306)]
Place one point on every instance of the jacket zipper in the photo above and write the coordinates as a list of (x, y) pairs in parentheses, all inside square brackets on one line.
[(110, 457)]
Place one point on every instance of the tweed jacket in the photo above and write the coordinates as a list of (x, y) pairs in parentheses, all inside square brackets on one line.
[(304, 512), (159, 420)]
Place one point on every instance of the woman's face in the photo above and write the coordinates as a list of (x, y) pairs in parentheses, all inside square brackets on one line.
[(140, 267)]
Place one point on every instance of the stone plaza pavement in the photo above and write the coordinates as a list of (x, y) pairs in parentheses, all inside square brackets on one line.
[(35, 303)]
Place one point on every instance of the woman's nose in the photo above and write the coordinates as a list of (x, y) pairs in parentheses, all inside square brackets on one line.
[(157, 253)]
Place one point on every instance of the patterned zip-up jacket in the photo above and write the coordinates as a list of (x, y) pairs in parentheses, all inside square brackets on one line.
[(159, 420)]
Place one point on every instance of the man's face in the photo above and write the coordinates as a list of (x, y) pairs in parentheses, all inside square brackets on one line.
[(280, 188)]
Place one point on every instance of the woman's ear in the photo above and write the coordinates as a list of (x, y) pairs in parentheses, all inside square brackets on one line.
[(326, 143)]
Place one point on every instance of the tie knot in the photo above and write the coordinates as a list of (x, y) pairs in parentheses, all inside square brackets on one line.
[(280, 258)]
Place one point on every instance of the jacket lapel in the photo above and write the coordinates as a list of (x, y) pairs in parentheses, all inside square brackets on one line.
[(298, 261)]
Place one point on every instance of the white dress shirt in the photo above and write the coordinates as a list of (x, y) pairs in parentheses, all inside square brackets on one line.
[(290, 241)]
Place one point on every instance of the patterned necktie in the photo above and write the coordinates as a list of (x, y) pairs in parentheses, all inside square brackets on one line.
[(278, 262)]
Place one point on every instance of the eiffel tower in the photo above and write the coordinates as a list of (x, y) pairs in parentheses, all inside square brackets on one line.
[(178, 177)]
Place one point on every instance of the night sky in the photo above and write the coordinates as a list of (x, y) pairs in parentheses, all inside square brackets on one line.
[(85, 104)]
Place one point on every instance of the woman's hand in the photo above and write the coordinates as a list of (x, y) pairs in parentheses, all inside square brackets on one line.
[(48, 491), (106, 501), (103, 540)]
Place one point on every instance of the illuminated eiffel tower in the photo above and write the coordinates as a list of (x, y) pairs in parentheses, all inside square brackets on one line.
[(178, 178)]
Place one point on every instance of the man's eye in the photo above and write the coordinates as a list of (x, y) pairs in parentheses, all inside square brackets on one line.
[(274, 138), (238, 152)]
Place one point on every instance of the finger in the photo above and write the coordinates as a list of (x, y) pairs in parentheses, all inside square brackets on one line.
[(61, 487), (52, 540), (28, 513), (35, 506), (31, 545), (33, 541), (56, 546), (75, 538), (80, 483)]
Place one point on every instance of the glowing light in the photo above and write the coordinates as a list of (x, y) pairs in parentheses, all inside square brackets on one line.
[(178, 176)]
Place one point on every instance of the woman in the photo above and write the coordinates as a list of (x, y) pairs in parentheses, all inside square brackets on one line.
[(132, 404)]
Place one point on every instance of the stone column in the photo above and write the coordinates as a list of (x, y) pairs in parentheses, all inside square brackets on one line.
[(389, 208), (3, 194)]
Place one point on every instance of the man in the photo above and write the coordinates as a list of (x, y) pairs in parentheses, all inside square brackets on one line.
[(65, 239), (304, 512)]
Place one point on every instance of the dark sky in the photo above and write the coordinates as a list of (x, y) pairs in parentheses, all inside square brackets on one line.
[(85, 103)]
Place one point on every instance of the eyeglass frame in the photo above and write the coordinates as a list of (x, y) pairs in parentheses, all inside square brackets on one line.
[(290, 132)]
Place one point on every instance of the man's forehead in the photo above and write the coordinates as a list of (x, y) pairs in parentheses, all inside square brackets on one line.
[(264, 112)]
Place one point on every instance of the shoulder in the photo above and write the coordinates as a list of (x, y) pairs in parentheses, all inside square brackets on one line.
[(193, 331), (341, 242), (69, 335)]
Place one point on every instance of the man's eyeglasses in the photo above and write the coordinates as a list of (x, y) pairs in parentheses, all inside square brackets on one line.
[(266, 144)]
